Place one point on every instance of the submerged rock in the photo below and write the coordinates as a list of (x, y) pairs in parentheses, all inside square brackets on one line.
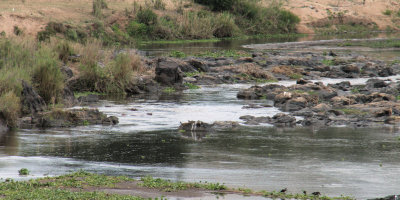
[(67, 118)]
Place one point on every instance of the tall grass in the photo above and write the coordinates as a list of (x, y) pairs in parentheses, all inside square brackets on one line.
[(10, 108), (47, 77)]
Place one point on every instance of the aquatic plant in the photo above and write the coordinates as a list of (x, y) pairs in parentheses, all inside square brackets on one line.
[(23, 171)]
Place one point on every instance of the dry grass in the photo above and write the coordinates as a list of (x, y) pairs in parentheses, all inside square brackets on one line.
[(287, 70), (250, 69)]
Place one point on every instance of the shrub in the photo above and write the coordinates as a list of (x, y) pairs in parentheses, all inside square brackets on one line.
[(17, 30), (64, 50), (193, 26), (225, 26), (98, 5), (23, 171), (120, 73), (136, 29), (146, 16), (10, 108), (47, 77), (387, 12), (218, 5), (287, 21), (159, 5)]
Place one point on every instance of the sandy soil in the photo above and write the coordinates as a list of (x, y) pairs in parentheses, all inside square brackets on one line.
[(32, 15)]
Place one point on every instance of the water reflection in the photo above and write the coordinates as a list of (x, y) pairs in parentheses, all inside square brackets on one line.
[(8, 143), (236, 44)]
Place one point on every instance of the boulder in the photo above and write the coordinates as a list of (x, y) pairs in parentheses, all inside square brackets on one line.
[(199, 65), (168, 72), (295, 104), (31, 102), (195, 126), (282, 119), (376, 83), (352, 68)]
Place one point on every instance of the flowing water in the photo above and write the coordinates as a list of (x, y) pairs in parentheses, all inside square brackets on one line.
[(363, 163)]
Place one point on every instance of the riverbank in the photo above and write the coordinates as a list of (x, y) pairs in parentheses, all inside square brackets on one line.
[(83, 185)]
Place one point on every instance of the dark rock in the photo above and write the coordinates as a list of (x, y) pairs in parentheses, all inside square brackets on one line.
[(332, 54), (196, 126), (282, 119), (90, 98), (350, 69), (376, 83), (68, 97), (31, 102), (302, 81), (199, 65), (344, 85), (67, 118), (67, 72), (168, 72)]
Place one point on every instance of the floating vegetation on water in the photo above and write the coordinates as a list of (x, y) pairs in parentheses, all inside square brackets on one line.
[(192, 86)]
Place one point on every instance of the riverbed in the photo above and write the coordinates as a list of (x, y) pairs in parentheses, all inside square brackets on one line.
[(358, 162)]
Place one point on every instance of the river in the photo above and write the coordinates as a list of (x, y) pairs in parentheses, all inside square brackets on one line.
[(362, 163)]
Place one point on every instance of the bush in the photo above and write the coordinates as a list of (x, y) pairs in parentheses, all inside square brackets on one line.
[(287, 21), (146, 16), (119, 73), (387, 12), (98, 5), (17, 30), (193, 26), (64, 50), (225, 26), (23, 171), (136, 29), (47, 77), (10, 108), (218, 5)]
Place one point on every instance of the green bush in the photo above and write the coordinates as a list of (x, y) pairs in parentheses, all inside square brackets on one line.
[(287, 21), (119, 73), (23, 171), (47, 77), (17, 30), (225, 26), (146, 16), (10, 108), (218, 5), (136, 29), (387, 12)]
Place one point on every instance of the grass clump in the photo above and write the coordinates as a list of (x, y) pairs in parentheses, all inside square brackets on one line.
[(223, 53), (387, 12), (10, 108), (47, 76), (177, 54), (168, 185), (295, 76), (23, 171), (328, 62), (169, 90), (192, 86), (350, 111)]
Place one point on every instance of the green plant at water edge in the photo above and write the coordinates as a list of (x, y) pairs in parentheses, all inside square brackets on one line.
[(10, 108), (177, 54), (168, 185), (23, 171), (192, 86), (169, 90), (223, 53), (328, 62), (350, 111), (295, 76)]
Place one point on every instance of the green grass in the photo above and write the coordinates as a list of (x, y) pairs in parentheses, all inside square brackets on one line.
[(169, 90), (179, 41), (191, 74), (224, 53), (23, 171), (167, 185), (328, 62), (295, 76), (192, 86), (82, 94), (177, 54), (387, 12), (61, 187), (389, 43)]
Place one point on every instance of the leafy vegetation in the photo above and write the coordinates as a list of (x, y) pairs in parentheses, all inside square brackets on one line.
[(223, 53), (23, 171), (192, 86), (61, 187)]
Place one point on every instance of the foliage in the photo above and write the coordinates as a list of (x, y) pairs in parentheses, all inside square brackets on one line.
[(177, 54), (47, 77), (146, 16), (387, 12), (223, 53), (98, 5), (17, 30), (10, 108), (218, 5), (169, 90), (167, 185), (225, 26), (23, 171), (192, 86)]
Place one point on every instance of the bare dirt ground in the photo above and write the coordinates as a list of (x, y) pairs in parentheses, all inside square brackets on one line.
[(32, 15)]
